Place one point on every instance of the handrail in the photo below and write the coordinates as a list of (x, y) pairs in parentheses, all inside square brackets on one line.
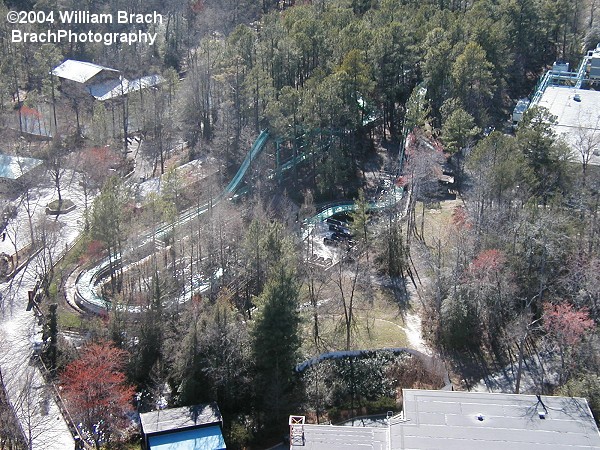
[(65, 411), (86, 296)]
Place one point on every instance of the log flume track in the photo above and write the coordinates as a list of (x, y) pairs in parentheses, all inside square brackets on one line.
[(86, 296), (85, 293)]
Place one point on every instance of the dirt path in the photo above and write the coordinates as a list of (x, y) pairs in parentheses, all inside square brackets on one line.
[(412, 331)]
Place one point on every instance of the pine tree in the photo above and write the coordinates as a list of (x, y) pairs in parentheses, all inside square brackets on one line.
[(360, 222), (275, 343)]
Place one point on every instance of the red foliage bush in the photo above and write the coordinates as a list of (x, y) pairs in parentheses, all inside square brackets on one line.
[(567, 324), (95, 390)]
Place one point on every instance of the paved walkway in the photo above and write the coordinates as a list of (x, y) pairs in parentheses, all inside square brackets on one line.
[(34, 403)]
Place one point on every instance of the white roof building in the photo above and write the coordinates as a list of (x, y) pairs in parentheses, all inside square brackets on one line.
[(80, 71), (453, 420), (578, 115), (102, 83)]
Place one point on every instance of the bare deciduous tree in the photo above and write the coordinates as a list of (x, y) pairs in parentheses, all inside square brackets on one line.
[(587, 144)]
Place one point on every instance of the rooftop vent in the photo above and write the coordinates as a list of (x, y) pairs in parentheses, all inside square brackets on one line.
[(480, 417), (542, 414)]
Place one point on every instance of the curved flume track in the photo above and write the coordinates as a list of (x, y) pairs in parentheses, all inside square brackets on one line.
[(87, 280), (86, 296)]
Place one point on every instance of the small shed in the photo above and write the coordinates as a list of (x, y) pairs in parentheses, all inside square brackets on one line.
[(196, 427), (520, 109)]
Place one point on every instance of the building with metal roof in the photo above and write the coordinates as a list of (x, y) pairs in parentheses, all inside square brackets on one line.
[(102, 83), (81, 71), (188, 428), (453, 420), (14, 170)]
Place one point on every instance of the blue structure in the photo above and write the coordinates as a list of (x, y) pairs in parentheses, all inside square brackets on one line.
[(188, 428)]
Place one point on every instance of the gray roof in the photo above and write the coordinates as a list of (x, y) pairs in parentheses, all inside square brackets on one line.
[(145, 82), (173, 419), (448, 420), (328, 437), (522, 105), (108, 89), (117, 87), (576, 119), (82, 72), (14, 167), (79, 71)]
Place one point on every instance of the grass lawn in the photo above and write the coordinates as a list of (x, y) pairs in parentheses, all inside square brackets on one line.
[(438, 219), (377, 325), (68, 319)]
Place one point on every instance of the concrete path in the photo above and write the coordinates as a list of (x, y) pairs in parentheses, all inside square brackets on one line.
[(34, 402)]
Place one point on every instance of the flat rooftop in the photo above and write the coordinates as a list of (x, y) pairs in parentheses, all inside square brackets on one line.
[(173, 419), (327, 437), (577, 119), (449, 420)]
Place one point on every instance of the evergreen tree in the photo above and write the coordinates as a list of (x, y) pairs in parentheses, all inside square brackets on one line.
[(459, 128), (360, 222), (50, 335), (275, 343), (546, 157), (473, 81)]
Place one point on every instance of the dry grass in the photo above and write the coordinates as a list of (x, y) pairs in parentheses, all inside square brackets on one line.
[(378, 320), (437, 220), (377, 324)]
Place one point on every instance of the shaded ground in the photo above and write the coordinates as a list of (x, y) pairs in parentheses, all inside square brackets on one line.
[(378, 322), (34, 402), (468, 370)]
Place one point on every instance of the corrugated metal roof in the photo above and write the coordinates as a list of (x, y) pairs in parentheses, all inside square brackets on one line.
[(14, 167), (119, 87), (109, 89), (145, 82), (179, 418), (82, 72), (79, 71)]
